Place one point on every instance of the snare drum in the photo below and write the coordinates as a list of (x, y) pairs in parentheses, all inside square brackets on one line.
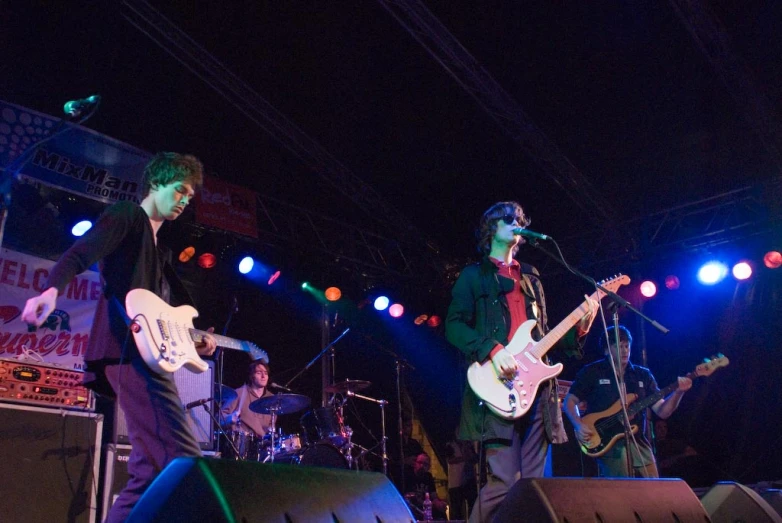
[(287, 444), (325, 424)]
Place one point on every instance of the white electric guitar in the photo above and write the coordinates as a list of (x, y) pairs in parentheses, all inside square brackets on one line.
[(165, 336), (512, 397)]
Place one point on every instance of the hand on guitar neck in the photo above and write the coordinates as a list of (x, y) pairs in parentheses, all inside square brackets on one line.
[(208, 344)]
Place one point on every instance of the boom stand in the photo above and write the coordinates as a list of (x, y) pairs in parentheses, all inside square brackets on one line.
[(384, 439)]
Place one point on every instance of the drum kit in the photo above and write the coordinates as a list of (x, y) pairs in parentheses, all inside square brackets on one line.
[(325, 440)]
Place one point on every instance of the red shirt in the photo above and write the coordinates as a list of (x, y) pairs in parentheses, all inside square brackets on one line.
[(516, 301)]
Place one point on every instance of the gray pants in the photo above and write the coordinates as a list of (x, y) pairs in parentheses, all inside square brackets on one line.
[(524, 458), (157, 428)]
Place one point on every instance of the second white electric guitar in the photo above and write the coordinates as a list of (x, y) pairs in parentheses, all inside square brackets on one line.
[(165, 336)]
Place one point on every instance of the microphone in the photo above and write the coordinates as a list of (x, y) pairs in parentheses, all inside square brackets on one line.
[(75, 108), (197, 403), (531, 234), (275, 386)]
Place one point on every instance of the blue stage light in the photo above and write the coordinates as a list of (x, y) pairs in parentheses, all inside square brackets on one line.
[(246, 265), (712, 273), (80, 228), (381, 303)]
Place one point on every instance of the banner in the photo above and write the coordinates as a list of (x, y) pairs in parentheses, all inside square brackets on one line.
[(62, 339), (79, 160), (226, 206)]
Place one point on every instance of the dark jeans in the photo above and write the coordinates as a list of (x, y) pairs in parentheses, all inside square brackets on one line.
[(157, 428), (458, 496)]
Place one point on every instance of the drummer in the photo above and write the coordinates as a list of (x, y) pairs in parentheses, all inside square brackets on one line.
[(236, 414)]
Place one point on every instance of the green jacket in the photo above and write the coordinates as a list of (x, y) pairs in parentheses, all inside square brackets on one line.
[(478, 319)]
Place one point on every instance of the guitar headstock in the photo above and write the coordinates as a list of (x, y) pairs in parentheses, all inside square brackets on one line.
[(256, 353), (708, 366), (612, 284)]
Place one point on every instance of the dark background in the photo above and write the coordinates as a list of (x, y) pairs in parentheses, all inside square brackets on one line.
[(622, 89)]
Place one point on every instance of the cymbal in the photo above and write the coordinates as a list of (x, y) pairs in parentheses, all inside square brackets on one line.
[(228, 394), (348, 386), (280, 404)]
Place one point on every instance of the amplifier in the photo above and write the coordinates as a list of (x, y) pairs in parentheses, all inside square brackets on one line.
[(43, 384), (191, 387)]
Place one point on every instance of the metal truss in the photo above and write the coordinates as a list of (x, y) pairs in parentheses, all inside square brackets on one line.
[(712, 39), (726, 218), (171, 39), (507, 112)]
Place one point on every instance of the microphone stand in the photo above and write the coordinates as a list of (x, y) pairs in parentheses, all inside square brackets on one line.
[(220, 359), (618, 302), (221, 431), (384, 439), (316, 358)]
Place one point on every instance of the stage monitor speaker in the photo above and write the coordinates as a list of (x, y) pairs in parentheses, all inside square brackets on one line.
[(51, 460), (191, 387), (728, 502), (115, 474), (605, 500), (214, 490)]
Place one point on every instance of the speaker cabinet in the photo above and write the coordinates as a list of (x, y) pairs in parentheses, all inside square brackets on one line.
[(51, 459), (191, 387), (605, 500), (728, 502), (201, 489)]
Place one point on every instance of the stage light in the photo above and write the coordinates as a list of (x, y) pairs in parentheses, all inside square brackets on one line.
[(648, 288), (187, 254), (207, 260), (305, 285), (273, 278), (396, 310), (773, 259), (381, 303), (246, 265), (333, 293), (80, 228), (420, 320), (434, 321), (742, 270), (712, 272), (671, 282)]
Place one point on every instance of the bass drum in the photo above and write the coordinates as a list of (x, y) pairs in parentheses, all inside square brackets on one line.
[(323, 455)]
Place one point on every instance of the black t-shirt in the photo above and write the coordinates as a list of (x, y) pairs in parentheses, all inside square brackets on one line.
[(596, 385)]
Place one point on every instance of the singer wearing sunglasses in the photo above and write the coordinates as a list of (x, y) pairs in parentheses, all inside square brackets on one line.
[(490, 301)]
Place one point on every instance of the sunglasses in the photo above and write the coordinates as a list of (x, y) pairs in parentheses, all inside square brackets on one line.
[(510, 218)]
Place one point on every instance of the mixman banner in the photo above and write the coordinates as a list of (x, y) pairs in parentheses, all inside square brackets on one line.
[(79, 160), (226, 206), (62, 339)]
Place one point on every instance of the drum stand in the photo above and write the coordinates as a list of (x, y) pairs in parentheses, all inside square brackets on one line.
[(273, 430), (384, 439)]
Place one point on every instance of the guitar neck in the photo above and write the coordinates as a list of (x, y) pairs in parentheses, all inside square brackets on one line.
[(555, 334), (222, 341), (638, 406)]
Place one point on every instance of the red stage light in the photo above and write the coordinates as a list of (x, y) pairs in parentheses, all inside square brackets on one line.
[(671, 282), (434, 321), (207, 260), (333, 293), (273, 278), (773, 259)]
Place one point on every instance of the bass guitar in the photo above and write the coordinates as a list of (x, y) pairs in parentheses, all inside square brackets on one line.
[(607, 426), (511, 397), (165, 336)]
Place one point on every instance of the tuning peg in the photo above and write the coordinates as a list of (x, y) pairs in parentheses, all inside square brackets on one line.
[(706, 360)]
